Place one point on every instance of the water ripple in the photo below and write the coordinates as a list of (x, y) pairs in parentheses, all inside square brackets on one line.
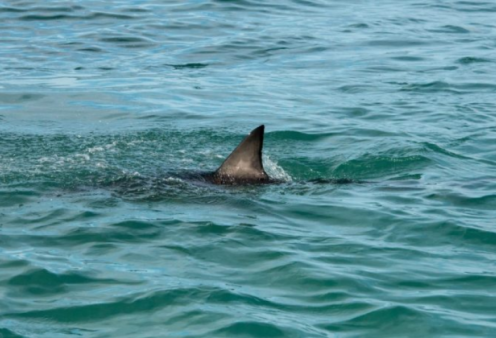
[(380, 125)]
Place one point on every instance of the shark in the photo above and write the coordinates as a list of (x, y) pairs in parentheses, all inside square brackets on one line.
[(244, 165)]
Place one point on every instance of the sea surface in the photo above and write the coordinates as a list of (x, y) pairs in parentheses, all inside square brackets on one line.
[(102, 102)]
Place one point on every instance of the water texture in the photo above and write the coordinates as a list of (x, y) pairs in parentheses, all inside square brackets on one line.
[(100, 101)]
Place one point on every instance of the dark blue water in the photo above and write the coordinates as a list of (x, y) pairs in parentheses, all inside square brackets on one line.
[(100, 101)]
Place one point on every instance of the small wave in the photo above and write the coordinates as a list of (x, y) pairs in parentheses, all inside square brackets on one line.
[(441, 86), (43, 282), (474, 6), (132, 304), (298, 136), (479, 202), (6, 333), (359, 26), (12, 10), (89, 49), (104, 15), (397, 43), (379, 166), (41, 9), (18, 197), (189, 66), (354, 89), (126, 40), (435, 86), (257, 329), (19, 98), (408, 58), (455, 233), (275, 171), (39, 17), (54, 13), (381, 319), (437, 149), (467, 60), (450, 29)]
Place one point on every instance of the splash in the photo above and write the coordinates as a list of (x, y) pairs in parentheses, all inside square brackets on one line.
[(275, 171)]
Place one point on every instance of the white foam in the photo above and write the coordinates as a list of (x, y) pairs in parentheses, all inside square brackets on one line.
[(94, 149), (85, 157), (274, 170)]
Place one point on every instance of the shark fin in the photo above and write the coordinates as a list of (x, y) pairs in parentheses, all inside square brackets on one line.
[(245, 162)]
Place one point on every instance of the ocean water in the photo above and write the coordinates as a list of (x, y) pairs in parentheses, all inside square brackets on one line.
[(100, 101)]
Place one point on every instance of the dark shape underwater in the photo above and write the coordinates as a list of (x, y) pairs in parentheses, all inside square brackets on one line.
[(243, 167)]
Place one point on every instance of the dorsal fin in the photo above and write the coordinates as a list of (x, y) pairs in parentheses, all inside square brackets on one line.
[(245, 162)]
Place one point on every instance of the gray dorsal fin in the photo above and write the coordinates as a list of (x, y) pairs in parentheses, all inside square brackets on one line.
[(245, 162)]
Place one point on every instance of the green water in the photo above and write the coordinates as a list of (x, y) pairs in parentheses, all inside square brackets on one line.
[(101, 102)]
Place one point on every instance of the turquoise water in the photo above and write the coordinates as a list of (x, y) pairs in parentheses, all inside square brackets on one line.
[(100, 101)]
